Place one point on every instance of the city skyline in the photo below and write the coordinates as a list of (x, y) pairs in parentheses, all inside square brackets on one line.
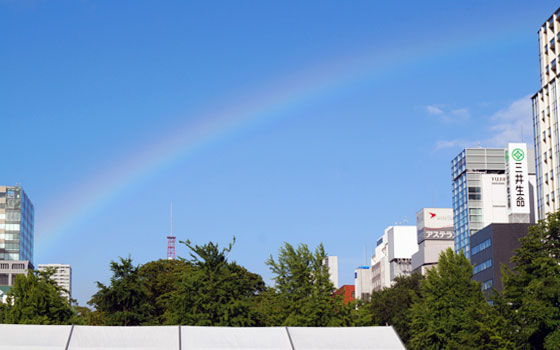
[(305, 123)]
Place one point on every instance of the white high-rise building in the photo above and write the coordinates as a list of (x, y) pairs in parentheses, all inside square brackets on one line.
[(380, 265), (332, 263), (62, 276), (393, 255), (545, 118)]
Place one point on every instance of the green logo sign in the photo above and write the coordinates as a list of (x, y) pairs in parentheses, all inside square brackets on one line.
[(517, 154)]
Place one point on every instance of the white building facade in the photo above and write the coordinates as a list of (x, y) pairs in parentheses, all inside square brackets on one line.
[(545, 118), (62, 277), (363, 282), (332, 264), (380, 265), (401, 242), (393, 255)]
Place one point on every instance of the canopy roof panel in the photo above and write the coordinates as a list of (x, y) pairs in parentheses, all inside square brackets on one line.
[(32, 337), (27, 337)]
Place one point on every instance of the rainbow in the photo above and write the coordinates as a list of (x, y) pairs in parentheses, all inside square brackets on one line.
[(272, 101)]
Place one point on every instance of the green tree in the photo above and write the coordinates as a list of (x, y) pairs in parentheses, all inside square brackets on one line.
[(124, 301), (453, 313), (161, 278), (532, 289), (36, 299), (214, 292), (304, 290), (391, 306)]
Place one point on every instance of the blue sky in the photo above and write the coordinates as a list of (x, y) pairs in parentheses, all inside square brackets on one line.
[(300, 122)]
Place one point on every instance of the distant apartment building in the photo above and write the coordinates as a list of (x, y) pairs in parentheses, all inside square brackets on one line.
[(62, 276), (332, 263), (362, 282), (545, 118), (393, 255), (16, 224), (401, 242), (434, 228), (380, 265)]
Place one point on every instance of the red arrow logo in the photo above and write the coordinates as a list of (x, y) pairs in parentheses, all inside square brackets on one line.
[(432, 215)]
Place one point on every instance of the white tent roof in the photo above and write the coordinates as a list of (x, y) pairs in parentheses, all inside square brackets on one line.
[(24, 337), (116, 338), (305, 338), (273, 338), (31, 337)]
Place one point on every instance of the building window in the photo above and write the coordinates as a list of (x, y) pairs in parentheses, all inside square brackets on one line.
[(483, 266), (480, 247), (474, 193)]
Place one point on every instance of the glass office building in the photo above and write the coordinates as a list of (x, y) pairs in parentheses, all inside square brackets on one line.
[(16, 224), (479, 192)]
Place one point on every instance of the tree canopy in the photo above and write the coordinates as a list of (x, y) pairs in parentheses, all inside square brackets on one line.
[(303, 288), (36, 299), (452, 312), (214, 292), (532, 289), (124, 302), (391, 306)]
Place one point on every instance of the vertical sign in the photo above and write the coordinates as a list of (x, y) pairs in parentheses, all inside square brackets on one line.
[(517, 178)]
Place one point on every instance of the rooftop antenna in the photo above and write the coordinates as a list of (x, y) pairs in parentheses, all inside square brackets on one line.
[(171, 238)]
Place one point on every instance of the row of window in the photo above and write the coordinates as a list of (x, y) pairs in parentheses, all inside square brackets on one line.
[(480, 247), (483, 266), (9, 227)]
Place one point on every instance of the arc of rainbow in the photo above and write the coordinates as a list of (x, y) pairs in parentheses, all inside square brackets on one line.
[(267, 103)]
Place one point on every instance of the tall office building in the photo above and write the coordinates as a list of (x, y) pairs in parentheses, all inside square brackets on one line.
[(16, 224), (62, 276), (545, 118), (479, 192)]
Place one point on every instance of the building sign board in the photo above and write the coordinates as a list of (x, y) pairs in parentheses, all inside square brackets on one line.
[(434, 224), (517, 179)]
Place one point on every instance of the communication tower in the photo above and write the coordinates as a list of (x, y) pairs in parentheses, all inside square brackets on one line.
[(170, 237)]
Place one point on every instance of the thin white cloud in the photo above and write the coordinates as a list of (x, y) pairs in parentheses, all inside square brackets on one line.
[(461, 113), (510, 124), (446, 115), (434, 110)]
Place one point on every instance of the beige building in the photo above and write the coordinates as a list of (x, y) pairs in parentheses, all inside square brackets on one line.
[(545, 118), (62, 277)]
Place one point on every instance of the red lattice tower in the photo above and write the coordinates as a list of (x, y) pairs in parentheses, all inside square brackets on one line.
[(171, 247)]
